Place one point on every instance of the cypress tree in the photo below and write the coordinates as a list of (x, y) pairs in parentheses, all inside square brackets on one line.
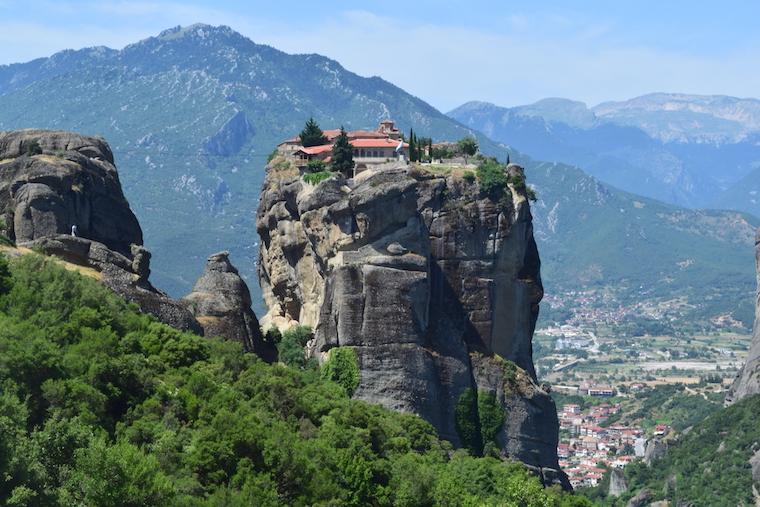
[(412, 147), (312, 135), (343, 155)]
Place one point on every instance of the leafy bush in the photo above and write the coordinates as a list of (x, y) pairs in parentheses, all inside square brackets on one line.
[(492, 180), (291, 347), (316, 166), (101, 405), (342, 367), (491, 416), (317, 178), (33, 148), (442, 152), (5, 275), (467, 422), (469, 176)]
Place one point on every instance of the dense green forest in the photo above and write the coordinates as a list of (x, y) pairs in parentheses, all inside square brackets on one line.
[(708, 466), (101, 405)]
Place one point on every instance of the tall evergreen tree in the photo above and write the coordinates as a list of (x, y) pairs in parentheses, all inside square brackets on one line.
[(312, 135), (343, 155), (412, 147)]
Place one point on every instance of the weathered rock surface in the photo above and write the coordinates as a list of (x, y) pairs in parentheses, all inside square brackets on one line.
[(221, 303), (642, 499), (126, 276), (52, 180), (618, 483), (231, 137), (747, 380), (72, 182), (754, 463), (435, 287), (655, 450)]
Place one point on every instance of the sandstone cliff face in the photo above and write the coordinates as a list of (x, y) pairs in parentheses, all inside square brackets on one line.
[(747, 380), (221, 303), (72, 181), (435, 288)]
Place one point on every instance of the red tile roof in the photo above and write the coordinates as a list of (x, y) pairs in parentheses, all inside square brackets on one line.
[(375, 143), (315, 150)]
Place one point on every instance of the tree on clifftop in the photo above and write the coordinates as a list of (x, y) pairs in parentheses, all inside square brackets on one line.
[(343, 155), (312, 135), (468, 146)]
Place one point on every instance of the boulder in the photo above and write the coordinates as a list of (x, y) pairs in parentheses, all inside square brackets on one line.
[(221, 303), (642, 499)]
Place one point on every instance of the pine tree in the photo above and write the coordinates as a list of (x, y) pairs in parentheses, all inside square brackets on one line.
[(343, 155), (312, 135), (507, 158)]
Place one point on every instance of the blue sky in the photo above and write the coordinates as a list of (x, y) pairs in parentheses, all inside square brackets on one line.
[(505, 52)]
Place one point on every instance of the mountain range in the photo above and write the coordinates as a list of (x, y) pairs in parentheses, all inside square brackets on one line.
[(690, 150), (192, 113)]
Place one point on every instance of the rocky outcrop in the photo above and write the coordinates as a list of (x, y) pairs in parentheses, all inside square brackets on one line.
[(126, 276), (435, 287), (53, 180), (618, 483), (221, 303), (642, 499), (231, 137), (747, 380), (655, 450)]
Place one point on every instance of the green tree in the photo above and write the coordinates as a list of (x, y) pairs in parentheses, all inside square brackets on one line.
[(33, 148), (467, 422), (342, 367), (412, 146), (315, 166), (291, 347), (118, 475), (343, 155), (468, 146), (5, 275), (312, 135), (491, 416)]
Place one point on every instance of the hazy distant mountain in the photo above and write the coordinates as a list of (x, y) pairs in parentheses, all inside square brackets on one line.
[(681, 117), (193, 113), (685, 150)]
